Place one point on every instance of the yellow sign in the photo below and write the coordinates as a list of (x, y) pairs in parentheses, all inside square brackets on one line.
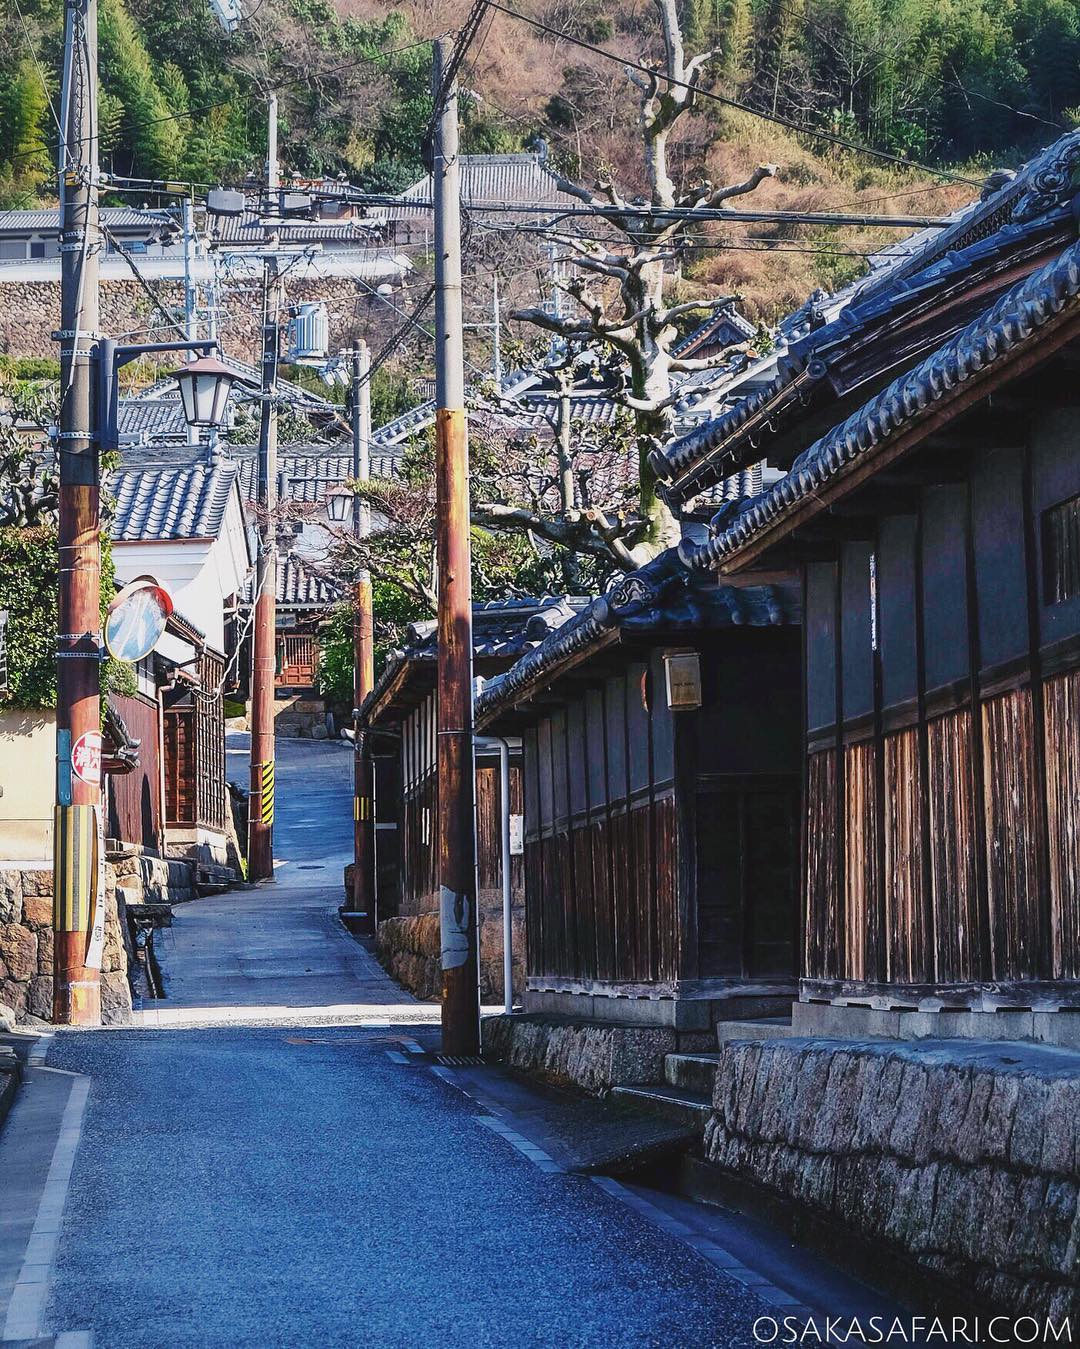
[(266, 794)]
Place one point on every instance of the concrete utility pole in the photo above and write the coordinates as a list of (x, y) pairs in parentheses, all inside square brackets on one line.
[(264, 635), (363, 899), (456, 839), (76, 988)]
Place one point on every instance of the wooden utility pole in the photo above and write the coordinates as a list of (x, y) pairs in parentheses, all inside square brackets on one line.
[(77, 824), (363, 898), (454, 724), (264, 634)]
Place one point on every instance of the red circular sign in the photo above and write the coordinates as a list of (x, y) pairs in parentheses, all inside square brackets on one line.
[(86, 758)]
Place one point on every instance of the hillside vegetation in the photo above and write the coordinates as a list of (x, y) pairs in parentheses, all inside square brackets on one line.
[(945, 82)]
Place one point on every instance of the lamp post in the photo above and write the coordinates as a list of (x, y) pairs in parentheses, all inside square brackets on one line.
[(78, 828)]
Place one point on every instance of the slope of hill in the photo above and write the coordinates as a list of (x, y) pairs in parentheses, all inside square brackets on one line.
[(971, 80)]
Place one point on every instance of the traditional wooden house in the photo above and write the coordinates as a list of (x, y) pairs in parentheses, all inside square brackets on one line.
[(661, 734), (937, 529), (184, 524), (399, 715)]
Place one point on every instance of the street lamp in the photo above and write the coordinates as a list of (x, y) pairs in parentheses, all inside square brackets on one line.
[(204, 384), (339, 504), (204, 390)]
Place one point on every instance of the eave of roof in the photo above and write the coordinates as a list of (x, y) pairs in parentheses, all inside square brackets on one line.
[(1021, 323), (1038, 198), (502, 630), (658, 600)]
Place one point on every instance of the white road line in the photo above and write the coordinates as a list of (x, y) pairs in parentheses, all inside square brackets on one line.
[(537, 1156), (396, 1057), (26, 1311)]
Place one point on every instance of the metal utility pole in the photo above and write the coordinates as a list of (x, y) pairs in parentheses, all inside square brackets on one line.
[(77, 824), (264, 628), (191, 289), (496, 324), (456, 840), (363, 898)]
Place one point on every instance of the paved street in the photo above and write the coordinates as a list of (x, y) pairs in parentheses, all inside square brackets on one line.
[(251, 1187), (278, 952), (258, 1184)]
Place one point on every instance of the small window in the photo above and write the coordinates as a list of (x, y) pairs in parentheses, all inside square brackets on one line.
[(37, 248), (1061, 551)]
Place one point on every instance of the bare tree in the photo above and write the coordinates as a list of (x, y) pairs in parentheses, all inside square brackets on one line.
[(568, 483), (618, 295)]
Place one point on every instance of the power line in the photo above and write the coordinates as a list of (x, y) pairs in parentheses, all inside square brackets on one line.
[(663, 216), (466, 33), (779, 120)]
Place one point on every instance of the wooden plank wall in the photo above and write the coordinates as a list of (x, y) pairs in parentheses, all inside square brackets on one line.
[(861, 862), (489, 826), (180, 795), (601, 854), (1062, 704), (135, 798), (953, 845), (942, 846), (822, 868)]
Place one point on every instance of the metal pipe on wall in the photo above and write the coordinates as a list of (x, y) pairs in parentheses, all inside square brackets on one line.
[(497, 742)]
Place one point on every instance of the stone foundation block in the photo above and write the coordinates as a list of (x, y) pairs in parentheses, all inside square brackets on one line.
[(963, 1157), (590, 1055)]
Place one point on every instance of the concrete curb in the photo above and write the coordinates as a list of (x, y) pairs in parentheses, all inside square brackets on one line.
[(9, 1087), (25, 1318)]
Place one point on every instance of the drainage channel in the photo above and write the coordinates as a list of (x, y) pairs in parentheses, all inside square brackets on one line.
[(823, 1271)]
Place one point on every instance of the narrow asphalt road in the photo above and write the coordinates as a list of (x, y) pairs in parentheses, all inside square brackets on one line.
[(280, 1181), (258, 1187)]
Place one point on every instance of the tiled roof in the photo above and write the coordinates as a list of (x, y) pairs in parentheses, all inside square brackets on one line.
[(249, 230), (301, 584), (294, 394), (661, 596), (1013, 322), (726, 326), (307, 472), (115, 217), (488, 179), (170, 503), (502, 630), (1032, 204), (151, 419)]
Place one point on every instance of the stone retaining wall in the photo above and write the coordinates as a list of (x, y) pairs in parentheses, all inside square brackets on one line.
[(929, 1151), (26, 937), (142, 878), (590, 1055), (410, 950), (30, 312), (26, 947)]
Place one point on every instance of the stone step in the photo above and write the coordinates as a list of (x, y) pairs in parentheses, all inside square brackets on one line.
[(758, 1028), (692, 1072), (674, 1103)]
